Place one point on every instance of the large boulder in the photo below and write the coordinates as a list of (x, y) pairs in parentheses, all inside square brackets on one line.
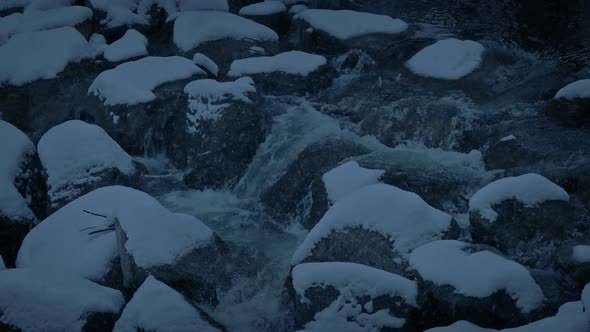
[(23, 197), (377, 225), (42, 300), (273, 14), (337, 296), (289, 73), (157, 307), (464, 281), (222, 36), (117, 235), (224, 125), (288, 193), (571, 104), (79, 157), (517, 214), (335, 31)]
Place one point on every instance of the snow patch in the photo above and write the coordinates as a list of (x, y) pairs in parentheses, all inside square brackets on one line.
[(347, 24), (399, 215), (38, 300), (206, 63), (156, 236), (293, 62), (479, 274), (263, 8), (20, 62), (194, 28), (15, 147), (132, 44), (578, 89), (530, 189), (448, 59), (65, 155), (133, 82), (348, 178), (157, 307)]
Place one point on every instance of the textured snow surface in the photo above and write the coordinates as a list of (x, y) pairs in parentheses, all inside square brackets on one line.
[(133, 82), (157, 307), (479, 274), (20, 60), (581, 254), (530, 189), (399, 215), (353, 279), (156, 236), (38, 300), (42, 20), (570, 318), (15, 147), (448, 59), (194, 28), (205, 62), (293, 62), (263, 8), (347, 24), (348, 178), (132, 44), (64, 153), (8, 4), (578, 89)]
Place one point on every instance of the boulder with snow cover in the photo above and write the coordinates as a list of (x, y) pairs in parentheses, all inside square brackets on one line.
[(335, 296), (334, 31), (117, 236), (224, 125), (272, 14), (73, 170), (571, 104), (288, 73), (23, 197), (464, 281), (37, 300), (222, 36), (157, 307), (518, 214), (377, 225)]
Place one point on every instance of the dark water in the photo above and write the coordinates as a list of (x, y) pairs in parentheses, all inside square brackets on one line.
[(558, 28)]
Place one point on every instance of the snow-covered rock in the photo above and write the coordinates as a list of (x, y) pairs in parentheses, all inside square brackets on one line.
[(392, 220), (570, 318), (205, 63), (337, 31), (518, 215), (573, 259), (292, 72), (347, 178), (149, 238), (448, 59), (22, 189), (471, 283), (41, 300), (220, 114), (333, 293), (79, 157), (133, 44), (348, 24), (530, 190), (509, 152), (133, 82), (20, 62), (292, 62), (157, 307), (192, 29), (273, 14), (577, 89), (586, 301)]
